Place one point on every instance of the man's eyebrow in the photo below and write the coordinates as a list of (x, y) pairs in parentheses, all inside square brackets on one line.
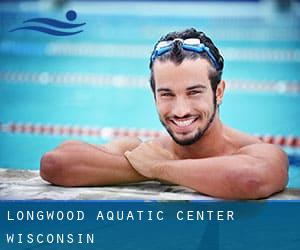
[(198, 86), (164, 89)]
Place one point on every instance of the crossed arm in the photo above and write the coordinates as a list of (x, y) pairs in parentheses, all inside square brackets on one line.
[(256, 171), (76, 163)]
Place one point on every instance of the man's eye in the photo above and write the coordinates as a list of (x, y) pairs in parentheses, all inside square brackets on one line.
[(194, 92), (166, 94)]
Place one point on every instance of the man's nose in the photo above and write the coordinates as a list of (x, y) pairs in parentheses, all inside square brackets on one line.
[(181, 107)]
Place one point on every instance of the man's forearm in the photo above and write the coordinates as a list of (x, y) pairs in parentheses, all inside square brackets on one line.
[(86, 165), (228, 177)]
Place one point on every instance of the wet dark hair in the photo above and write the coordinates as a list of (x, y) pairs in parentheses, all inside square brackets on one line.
[(177, 55)]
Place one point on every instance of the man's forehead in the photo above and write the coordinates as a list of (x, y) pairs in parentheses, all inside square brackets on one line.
[(199, 61), (187, 74)]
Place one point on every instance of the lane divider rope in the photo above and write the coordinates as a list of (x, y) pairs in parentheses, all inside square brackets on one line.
[(44, 78), (140, 51), (109, 132)]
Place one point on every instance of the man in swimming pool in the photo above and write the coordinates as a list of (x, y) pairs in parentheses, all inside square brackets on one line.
[(200, 152)]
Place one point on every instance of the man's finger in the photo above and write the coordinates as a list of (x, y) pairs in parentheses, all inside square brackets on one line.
[(127, 154)]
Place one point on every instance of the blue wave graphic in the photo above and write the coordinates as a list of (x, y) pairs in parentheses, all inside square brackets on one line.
[(54, 23), (47, 30), (70, 16)]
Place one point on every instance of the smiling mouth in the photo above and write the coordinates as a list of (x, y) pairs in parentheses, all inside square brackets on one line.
[(183, 123)]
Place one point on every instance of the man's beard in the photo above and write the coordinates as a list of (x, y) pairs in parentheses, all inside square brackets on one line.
[(196, 137)]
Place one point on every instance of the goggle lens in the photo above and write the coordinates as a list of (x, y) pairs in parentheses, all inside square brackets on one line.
[(191, 44)]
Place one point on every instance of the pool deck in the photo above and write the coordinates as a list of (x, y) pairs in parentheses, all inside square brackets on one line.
[(27, 185)]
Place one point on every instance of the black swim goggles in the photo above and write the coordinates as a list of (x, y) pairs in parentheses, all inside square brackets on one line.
[(190, 44)]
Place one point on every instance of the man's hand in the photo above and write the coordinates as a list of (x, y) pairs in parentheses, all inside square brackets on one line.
[(145, 158)]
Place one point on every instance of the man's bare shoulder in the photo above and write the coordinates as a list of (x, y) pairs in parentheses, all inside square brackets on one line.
[(263, 151), (253, 146), (239, 138)]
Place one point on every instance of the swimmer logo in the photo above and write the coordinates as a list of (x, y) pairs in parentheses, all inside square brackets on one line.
[(70, 15)]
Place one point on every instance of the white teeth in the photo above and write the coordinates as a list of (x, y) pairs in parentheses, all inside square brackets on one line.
[(184, 123)]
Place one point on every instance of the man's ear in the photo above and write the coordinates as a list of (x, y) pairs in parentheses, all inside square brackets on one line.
[(220, 92)]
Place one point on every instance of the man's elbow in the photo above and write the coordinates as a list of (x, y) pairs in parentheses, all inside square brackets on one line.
[(255, 188), (259, 186), (52, 169)]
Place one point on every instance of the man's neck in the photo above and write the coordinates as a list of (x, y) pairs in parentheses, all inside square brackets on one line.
[(212, 143)]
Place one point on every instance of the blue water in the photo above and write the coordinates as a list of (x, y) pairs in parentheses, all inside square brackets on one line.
[(132, 107)]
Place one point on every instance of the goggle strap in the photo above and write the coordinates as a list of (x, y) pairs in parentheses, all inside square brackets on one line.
[(200, 49)]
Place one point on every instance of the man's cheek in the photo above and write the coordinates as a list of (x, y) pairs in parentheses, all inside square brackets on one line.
[(160, 110), (164, 106)]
